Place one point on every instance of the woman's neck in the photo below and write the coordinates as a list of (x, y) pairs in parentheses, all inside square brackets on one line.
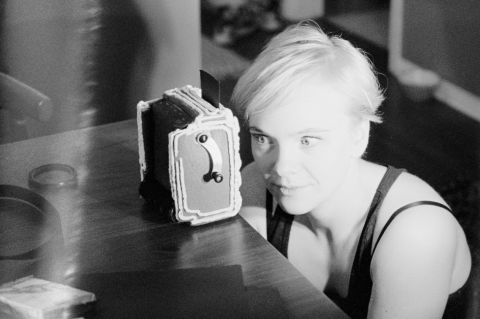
[(346, 209)]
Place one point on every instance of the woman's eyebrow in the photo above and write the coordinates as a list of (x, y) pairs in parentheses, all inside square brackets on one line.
[(255, 129), (313, 130)]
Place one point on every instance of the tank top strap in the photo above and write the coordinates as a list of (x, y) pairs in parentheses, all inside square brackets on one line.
[(360, 282), (366, 237), (279, 224)]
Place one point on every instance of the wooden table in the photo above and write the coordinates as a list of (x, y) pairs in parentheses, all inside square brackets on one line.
[(108, 228)]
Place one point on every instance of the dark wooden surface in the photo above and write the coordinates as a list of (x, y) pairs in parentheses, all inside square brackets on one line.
[(108, 228)]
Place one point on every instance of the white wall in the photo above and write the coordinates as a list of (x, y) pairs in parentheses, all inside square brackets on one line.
[(449, 92), (175, 30), (46, 44)]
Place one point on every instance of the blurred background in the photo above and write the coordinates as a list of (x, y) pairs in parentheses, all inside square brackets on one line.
[(66, 65)]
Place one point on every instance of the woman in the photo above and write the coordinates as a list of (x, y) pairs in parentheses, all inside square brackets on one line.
[(379, 241)]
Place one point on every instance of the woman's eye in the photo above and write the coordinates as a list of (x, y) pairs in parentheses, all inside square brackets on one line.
[(309, 141), (260, 139)]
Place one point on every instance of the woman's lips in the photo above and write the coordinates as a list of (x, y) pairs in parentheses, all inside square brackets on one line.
[(287, 189)]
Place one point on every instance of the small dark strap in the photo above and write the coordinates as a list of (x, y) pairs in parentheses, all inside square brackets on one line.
[(362, 255), (269, 205), (360, 286), (384, 186), (278, 226), (402, 209)]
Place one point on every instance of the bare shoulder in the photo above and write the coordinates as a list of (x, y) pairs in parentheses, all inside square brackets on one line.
[(420, 225), (409, 188), (422, 255), (422, 220), (413, 186), (424, 244), (253, 192)]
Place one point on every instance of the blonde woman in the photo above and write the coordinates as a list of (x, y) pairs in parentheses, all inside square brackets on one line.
[(377, 240)]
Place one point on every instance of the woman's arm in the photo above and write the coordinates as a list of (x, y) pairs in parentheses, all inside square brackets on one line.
[(413, 265), (253, 192)]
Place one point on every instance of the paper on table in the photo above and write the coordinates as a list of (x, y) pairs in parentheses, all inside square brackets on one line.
[(35, 298)]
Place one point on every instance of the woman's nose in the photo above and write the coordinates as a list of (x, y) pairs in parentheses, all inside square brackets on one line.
[(284, 162)]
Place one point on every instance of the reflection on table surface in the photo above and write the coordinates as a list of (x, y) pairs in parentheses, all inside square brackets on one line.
[(107, 228)]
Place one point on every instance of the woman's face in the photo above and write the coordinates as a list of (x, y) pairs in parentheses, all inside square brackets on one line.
[(305, 145)]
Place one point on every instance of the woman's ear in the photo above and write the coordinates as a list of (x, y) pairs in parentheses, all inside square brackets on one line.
[(361, 134)]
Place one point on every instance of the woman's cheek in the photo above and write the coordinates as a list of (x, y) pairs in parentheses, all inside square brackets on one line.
[(261, 159)]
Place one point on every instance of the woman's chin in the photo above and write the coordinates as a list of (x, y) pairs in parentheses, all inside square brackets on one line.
[(294, 206), (295, 201)]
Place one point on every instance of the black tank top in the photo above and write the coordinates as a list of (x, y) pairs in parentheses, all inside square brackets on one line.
[(360, 286)]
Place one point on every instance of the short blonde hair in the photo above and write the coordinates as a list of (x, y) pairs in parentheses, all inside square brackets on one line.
[(300, 51)]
